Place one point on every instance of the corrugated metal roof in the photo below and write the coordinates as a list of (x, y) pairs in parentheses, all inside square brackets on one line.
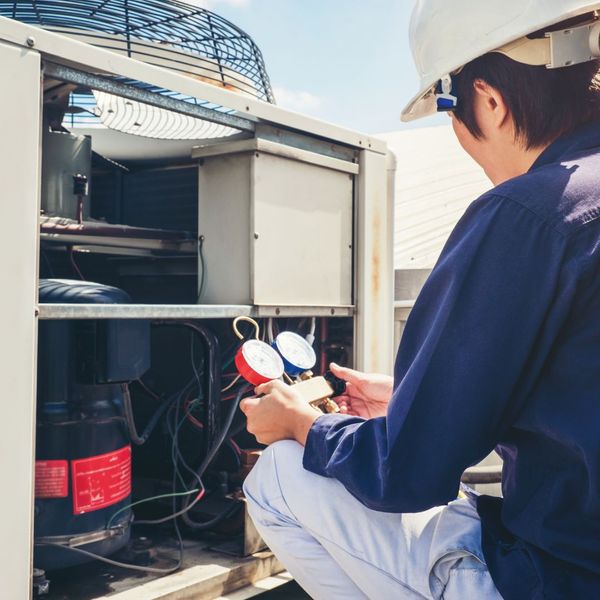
[(435, 182)]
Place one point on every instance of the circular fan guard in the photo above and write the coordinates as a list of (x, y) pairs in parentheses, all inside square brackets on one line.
[(166, 33)]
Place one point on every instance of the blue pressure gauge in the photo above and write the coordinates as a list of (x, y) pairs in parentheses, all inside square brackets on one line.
[(298, 355)]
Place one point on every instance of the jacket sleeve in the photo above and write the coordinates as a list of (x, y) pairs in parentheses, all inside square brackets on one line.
[(472, 349)]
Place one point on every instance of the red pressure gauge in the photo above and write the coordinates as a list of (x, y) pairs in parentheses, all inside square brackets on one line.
[(258, 363)]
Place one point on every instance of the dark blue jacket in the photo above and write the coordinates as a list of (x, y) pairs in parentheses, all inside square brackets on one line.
[(502, 350)]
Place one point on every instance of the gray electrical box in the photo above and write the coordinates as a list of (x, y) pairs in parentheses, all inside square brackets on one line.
[(64, 156), (277, 225)]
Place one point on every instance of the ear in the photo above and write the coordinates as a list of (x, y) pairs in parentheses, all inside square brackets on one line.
[(492, 108)]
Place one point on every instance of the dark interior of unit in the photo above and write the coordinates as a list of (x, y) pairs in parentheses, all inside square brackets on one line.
[(121, 233)]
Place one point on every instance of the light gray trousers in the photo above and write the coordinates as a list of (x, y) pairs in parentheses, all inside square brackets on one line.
[(337, 548)]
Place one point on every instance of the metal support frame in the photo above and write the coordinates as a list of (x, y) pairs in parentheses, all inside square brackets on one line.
[(374, 264), (103, 84), (20, 166), (183, 311)]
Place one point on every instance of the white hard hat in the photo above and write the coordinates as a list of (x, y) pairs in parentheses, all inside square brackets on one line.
[(445, 35)]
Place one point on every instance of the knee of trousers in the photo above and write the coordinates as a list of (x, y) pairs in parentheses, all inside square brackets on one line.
[(281, 459)]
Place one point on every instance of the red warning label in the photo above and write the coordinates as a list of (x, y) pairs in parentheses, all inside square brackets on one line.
[(100, 481), (51, 478)]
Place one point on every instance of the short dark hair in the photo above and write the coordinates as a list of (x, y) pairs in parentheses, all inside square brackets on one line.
[(544, 103)]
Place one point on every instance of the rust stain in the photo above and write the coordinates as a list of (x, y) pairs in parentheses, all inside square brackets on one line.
[(376, 284), (217, 83), (376, 276)]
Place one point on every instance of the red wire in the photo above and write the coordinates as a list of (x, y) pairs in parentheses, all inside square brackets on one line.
[(197, 424), (236, 448), (190, 417)]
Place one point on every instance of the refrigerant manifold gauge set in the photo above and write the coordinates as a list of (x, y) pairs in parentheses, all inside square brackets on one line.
[(289, 356)]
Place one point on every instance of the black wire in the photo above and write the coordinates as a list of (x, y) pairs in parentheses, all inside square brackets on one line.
[(48, 263), (74, 263), (174, 424), (179, 455), (115, 563), (213, 378), (241, 426), (173, 429), (194, 366), (207, 460), (173, 501), (202, 266), (238, 460), (138, 440), (176, 458), (154, 419), (128, 409), (187, 506)]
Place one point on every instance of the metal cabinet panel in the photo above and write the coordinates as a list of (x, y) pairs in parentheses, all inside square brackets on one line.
[(20, 165), (302, 216), (224, 227)]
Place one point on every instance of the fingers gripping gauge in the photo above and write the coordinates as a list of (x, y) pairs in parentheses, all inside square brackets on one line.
[(258, 363)]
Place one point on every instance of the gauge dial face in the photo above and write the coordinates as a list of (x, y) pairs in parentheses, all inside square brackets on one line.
[(262, 359), (296, 350)]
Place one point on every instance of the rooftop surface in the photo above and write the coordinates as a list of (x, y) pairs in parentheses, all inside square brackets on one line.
[(435, 182)]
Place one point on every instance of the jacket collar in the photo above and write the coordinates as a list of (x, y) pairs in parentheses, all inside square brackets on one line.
[(584, 138)]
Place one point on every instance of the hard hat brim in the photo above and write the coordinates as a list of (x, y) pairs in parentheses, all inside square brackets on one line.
[(420, 106)]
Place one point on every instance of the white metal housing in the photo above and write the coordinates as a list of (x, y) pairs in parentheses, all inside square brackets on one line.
[(20, 166), (25, 51)]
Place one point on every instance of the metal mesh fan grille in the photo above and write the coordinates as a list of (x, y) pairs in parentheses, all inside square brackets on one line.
[(167, 33)]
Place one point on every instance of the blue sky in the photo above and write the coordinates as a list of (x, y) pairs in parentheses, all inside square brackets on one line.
[(344, 61)]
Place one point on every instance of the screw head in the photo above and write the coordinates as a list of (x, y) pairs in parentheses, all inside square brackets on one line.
[(30, 41), (256, 236)]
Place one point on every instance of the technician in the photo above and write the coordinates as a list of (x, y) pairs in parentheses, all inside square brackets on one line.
[(502, 348)]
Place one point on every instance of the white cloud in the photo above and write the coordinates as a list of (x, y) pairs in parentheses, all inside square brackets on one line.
[(297, 100)]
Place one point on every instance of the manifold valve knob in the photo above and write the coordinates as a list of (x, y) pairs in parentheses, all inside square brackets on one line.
[(80, 185)]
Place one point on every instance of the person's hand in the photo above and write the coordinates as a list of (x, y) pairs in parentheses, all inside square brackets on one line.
[(280, 414), (367, 395)]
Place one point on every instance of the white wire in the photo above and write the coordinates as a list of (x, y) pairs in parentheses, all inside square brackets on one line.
[(270, 336), (228, 387), (310, 336)]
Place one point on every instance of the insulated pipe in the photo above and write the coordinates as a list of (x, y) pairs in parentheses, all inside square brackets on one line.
[(137, 439)]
